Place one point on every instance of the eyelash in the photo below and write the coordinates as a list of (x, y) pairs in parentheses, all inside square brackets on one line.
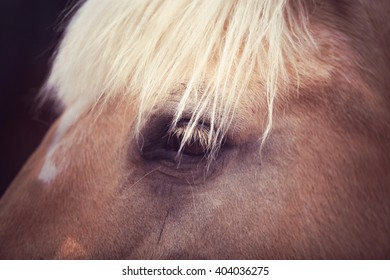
[(196, 145)]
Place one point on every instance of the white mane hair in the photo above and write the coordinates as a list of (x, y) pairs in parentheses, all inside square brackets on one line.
[(142, 50)]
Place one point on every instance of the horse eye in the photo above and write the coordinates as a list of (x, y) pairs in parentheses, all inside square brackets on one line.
[(195, 149), (196, 146)]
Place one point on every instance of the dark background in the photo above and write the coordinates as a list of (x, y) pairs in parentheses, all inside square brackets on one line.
[(29, 33)]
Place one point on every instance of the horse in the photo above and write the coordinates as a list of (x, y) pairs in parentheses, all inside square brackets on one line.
[(211, 130)]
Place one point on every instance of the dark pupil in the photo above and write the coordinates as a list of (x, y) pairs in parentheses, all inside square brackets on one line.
[(193, 148)]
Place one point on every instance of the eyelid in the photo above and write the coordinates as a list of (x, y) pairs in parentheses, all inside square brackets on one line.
[(157, 145), (200, 133)]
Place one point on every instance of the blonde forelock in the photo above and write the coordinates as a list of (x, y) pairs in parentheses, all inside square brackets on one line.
[(142, 50)]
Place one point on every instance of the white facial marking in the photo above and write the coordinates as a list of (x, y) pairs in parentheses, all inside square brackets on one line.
[(50, 168)]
